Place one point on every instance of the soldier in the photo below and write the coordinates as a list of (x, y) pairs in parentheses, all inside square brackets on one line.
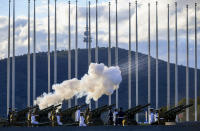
[(9, 114), (33, 118), (110, 122), (82, 120), (53, 117), (156, 115), (115, 114), (29, 118), (120, 116), (58, 117), (87, 115), (151, 115), (77, 115), (12, 117)]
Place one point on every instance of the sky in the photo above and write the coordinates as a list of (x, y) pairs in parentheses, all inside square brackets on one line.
[(62, 25)]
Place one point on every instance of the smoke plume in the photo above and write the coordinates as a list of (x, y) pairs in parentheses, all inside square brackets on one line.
[(100, 80)]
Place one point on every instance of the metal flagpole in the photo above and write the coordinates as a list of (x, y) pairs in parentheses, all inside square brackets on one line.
[(149, 57), (136, 56), (8, 63), (28, 58), (13, 59), (196, 112), (97, 46), (89, 47), (176, 58), (86, 33), (49, 88), (116, 51), (129, 60), (109, 51), (168, 62), (69, 52), (55, 46), (76, 48), (34, 55), (156, 55), (187, 66)]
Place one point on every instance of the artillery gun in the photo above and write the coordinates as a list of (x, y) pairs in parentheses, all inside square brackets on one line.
[(170, 115), (3, 122), (68, 115), (19, 118), (130, 114), (44, 115), (94, 116)]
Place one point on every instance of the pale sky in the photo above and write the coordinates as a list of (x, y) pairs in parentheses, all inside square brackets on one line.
[(62, 20)]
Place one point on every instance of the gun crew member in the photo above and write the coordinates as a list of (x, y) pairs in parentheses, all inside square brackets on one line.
[(33, 119), (53, 117), (77, 115), (58, 116), (121, 117), (82, 120), (110, 115), (115, 114), (151, 115)]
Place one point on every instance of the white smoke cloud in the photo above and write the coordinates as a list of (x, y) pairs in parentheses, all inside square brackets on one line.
[(100, 80)]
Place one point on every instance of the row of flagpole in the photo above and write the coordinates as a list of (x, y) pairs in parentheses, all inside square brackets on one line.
[(109, 55)]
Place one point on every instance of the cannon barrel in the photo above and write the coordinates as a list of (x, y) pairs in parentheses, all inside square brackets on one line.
[(72, 109), (182, 109), (136, 109), (174, 109), (98, 109), (49, 109)]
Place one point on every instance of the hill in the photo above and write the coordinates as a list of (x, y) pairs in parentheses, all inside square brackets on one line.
[(21, 77)]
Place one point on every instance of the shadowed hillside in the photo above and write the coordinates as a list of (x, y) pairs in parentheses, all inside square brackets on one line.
[(21, 80)]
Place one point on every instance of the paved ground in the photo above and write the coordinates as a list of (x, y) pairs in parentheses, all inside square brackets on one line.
[(180, 127)]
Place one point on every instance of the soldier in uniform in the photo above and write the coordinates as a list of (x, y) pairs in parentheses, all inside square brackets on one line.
[(87, 115), (115, 114), (9, 114), (120, 116), (33, 118), (53, 117), (82, 120), (29, 118), (77, 115), (12, 117), (110, 122), (58, 118), (151, 115)]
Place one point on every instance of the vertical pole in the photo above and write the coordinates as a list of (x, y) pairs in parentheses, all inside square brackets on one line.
[(28, 58), (8, 63), (89, 47), (187, 66), (87, 24), (129, 60), (69, 52), (55, 47), (136, 56), (76, 50), (149, 57), (49, 88), (34, 55), (176, 58), (13, 60), (97, 46), (196, 112), (168, 62), (116, 51), (109, 51), (156, 55)]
